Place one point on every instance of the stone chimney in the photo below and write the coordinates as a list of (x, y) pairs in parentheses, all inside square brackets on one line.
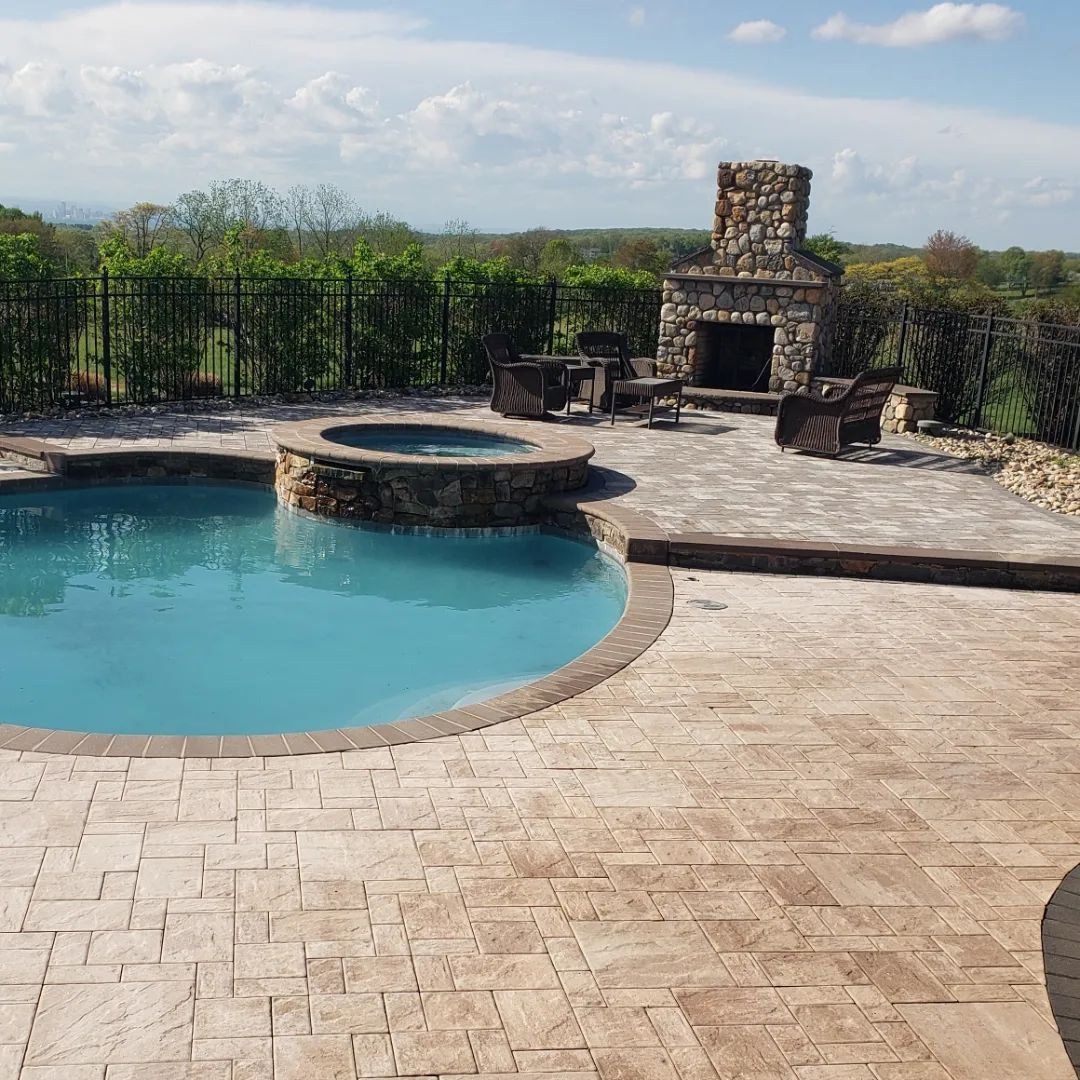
[(750, 314), (761, 209)]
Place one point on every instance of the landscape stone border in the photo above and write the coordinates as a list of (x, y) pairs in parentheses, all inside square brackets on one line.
[(646, 549), (324, 477)]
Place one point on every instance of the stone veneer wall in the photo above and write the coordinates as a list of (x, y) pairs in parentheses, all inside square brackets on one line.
[(760, 217), (423, 494), (795, 309)]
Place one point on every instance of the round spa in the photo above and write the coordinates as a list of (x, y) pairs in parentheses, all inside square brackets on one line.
[(415, 470)]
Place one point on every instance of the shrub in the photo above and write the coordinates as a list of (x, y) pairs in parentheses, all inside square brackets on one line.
[(89, 385)]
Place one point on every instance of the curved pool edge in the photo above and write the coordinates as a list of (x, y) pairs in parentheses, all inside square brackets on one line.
[(632, 537)]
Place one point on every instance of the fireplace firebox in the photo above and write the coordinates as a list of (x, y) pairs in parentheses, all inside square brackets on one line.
[(731, 356)]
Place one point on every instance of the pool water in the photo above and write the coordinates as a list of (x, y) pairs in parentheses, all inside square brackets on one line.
[(428, 441), (208, 609)]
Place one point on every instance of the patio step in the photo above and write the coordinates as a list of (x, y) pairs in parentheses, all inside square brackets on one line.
[(746, 401), (29, 455)]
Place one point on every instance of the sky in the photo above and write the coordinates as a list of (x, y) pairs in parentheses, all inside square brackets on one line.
[(564, 113)]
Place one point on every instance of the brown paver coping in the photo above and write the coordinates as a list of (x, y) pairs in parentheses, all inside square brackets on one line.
[(549, 446)]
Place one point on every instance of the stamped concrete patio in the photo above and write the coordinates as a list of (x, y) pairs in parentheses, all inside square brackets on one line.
[(807, 835)]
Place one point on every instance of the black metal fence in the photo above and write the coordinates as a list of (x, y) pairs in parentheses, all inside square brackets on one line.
[(120, 340), (145, 340), (1007, 375)]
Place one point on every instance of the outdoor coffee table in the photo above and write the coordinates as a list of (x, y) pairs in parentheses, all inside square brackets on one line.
[(649, 389)]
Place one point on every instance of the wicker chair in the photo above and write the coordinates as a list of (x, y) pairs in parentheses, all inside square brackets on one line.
[(610, 354), (523, 387), (808, 421)]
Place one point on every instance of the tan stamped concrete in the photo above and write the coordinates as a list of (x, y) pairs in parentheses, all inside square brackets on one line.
[(806, 836)]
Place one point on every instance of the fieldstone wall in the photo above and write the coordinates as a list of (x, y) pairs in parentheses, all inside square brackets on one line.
[(906, 407), (760, 217), (794, 310), (479, 497), (753, 272)]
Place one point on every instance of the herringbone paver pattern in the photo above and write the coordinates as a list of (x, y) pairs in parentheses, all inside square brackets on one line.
[(716, 473), (806, 836)]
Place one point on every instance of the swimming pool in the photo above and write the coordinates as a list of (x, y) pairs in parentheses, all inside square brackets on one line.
[(209, 609), (427, 441)]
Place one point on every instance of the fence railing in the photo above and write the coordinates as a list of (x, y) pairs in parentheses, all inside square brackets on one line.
[(143, 340), (1007, 375)]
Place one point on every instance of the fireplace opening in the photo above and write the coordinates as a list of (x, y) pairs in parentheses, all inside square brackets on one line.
[(732, 356)]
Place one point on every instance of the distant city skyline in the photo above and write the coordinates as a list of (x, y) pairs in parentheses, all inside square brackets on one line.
[(510, 114)]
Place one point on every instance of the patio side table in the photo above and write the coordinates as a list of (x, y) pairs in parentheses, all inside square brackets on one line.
[(574, 373), (647, 389)]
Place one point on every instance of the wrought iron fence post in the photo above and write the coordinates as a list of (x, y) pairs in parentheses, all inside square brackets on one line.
[(106, 335), (903, 336), (553, 299), (984, 371), (237, 336), (348, 329), (445, 354)]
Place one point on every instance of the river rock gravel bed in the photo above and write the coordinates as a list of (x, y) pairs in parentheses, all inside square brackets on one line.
[(1045, 475)]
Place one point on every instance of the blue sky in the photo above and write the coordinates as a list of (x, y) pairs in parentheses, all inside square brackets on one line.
[(596, 112)]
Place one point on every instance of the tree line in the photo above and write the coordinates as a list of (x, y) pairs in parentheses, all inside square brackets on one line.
[(247, 225)]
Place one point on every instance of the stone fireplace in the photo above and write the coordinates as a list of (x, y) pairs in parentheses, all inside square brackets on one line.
[(752, 312)]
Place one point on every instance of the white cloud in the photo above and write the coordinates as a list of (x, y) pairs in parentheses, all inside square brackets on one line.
[(757, 32), (636, 17), (37, 89), (942, 22), (1038, 191), (501, 134)]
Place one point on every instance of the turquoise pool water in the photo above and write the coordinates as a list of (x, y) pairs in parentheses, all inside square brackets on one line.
[(428, 441), (208, 609)]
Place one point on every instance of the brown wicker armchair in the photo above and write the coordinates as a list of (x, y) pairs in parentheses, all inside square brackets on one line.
[(610, 354), (523, 387), (808, 421)]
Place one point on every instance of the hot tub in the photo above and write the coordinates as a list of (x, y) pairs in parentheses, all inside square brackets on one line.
[(413, 470)]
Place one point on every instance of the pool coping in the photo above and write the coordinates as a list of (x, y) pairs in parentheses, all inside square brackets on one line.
[(646, 550), (550, 447)]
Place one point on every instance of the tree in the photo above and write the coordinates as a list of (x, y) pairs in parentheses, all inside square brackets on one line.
[(826, 246), (642, 254), (1047, 269), (524, 249), (333, 219), (1016, 265), (387, 234), (200, 220), (21, 257), (557, 257), (950, 255), (14, 222), (297, 206), (142, 226), (989, 270)]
